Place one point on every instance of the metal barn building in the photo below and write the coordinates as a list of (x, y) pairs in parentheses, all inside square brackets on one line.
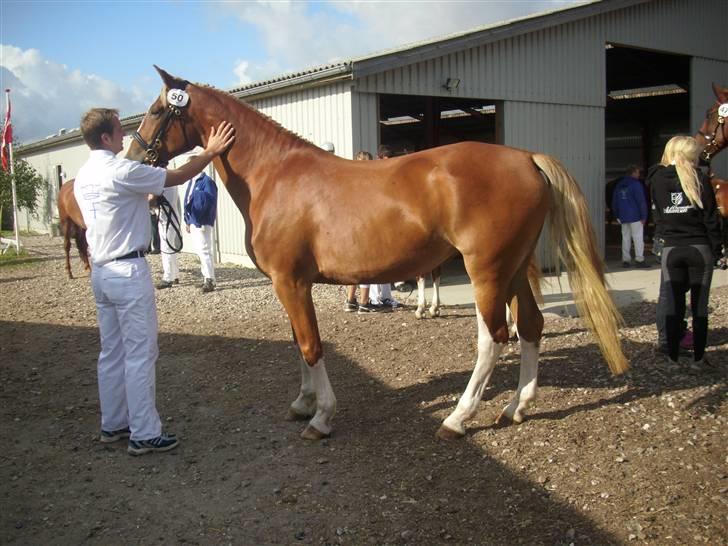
[(600, 85)]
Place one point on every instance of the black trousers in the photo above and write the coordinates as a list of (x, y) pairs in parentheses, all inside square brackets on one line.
[(685, 269)]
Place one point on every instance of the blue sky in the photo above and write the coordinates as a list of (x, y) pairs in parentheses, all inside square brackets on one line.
[(63, 57)]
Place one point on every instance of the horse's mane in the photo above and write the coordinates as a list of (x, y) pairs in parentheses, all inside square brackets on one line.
[(280, 129)]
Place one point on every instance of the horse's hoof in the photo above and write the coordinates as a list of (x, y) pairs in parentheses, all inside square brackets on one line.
[(447, 434), (311, 433), (418, 314), (434, 314), (295, 416)]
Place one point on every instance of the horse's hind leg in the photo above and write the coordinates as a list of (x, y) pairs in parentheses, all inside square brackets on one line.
[(434, 310), (529, 321), (492, 338), (296, 298)]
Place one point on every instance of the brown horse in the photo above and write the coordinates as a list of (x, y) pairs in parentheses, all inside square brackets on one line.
[(303, 227), (72, 226)]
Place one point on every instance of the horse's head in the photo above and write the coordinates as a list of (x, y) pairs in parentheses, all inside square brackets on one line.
[(713, 133), (167, 129)]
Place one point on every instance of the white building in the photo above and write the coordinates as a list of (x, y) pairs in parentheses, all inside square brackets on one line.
[(562, 83)]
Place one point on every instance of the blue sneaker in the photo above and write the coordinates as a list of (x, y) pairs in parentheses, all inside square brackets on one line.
[(110, 436), (163, 442)]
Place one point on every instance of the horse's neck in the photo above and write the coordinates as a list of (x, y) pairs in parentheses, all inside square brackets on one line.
[(260, 143)]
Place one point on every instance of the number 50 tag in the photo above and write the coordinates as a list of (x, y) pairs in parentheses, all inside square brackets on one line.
[(723, 110), (177, 97)]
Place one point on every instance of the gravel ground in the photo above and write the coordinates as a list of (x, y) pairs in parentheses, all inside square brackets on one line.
[(637, 459)]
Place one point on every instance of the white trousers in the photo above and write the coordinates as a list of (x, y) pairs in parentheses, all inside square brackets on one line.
[(202, 237), (127, 317), (380, 292), (170, 267), (632, 232)]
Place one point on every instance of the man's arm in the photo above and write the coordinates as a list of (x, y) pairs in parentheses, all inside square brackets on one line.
[(218, 142)]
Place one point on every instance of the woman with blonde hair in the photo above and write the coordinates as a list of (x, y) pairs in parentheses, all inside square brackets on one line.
[(687, 220)]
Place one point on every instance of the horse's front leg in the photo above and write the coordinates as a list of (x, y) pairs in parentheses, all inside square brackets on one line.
[(296, 298), (421, 302)]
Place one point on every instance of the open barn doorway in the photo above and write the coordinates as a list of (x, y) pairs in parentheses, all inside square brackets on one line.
[(647, 103), (410, 123)]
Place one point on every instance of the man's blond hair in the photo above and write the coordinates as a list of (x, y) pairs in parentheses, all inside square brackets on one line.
[(95, 123)]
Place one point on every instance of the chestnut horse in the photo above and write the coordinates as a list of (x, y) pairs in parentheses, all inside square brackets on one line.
[(303, 226), (72, 226)]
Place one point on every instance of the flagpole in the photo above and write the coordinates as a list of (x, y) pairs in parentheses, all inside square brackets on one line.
[(12, 182)]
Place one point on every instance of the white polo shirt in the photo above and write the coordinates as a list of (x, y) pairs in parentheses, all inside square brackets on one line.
[(112, 194)]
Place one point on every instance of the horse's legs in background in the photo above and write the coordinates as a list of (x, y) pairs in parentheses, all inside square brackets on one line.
[(512, 329), (529, 321), (67, 246), (490, 312), (421, 302), (296, 299), (435, 307), (434, 310)]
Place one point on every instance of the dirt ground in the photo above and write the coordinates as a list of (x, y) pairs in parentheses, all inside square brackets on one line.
[(637, 459)]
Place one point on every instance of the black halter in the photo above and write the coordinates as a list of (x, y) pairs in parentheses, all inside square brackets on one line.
[(151, 150)]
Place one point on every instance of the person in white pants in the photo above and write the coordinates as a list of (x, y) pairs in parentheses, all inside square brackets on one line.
[(629, 206), (112, 195), (167, 226), (200, 215)]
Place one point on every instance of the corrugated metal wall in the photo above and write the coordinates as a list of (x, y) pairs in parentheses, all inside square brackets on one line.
[(365, 122)]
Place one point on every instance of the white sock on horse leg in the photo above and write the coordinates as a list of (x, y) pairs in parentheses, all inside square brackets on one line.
[(325, 398), (421, 302), (527, 382), (488, 352), (305, 404), (435, 307)]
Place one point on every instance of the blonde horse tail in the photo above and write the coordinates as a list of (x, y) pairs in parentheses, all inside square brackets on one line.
[(569, 224)]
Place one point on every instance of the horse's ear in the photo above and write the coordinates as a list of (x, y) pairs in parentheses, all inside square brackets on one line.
[(720, 92), (170, 81)]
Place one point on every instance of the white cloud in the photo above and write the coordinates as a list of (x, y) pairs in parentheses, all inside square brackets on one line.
[(303, 34), (241, 73), (47, 96)]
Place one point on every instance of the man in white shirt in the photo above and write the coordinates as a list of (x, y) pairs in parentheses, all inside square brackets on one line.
[(112, 194)]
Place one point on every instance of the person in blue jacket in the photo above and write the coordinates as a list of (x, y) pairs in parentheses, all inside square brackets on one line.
[(629, 206), (200, 214)]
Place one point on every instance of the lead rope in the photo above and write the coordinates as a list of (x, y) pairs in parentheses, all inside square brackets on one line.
[(172, 221)]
